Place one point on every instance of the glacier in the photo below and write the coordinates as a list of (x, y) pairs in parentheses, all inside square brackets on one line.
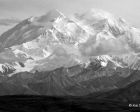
[(54, 40)]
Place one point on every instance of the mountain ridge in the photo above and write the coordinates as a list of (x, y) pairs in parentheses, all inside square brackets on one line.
[(93, 48)]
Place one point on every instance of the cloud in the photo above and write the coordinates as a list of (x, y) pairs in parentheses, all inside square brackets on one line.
[(109, 46), (4, 24), (91, 17), (9, 22), (99, 43)]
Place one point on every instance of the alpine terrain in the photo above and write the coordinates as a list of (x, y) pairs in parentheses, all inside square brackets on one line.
[(58, 55)]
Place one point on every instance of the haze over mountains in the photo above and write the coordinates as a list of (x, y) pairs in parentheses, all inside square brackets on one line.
[(87, 53)]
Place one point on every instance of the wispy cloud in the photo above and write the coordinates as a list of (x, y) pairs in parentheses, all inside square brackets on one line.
[(9, 22), (99, 44)]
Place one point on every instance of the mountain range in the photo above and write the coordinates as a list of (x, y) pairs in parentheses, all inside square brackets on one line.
[(58, 55)]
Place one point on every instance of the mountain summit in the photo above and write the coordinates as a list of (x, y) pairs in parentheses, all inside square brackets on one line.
[(54, 36), (85, 47)]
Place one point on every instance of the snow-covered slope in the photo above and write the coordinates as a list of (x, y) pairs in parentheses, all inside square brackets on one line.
[(54, 40)]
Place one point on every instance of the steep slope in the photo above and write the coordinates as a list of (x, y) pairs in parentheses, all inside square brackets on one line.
[(129, 93), (45, 45), (90, 52), (73, 81), (125, 99)]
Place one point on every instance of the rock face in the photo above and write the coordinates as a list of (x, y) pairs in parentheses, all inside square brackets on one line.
[(127, 94), (56, 55), (75, 81)]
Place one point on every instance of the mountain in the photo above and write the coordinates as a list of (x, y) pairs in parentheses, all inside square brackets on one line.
[(57, 55), (125, 99), (128, 94), (62, 82)]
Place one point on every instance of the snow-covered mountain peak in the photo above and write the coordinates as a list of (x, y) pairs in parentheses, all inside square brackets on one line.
[(50, 16), (54, 40), (97, 14)]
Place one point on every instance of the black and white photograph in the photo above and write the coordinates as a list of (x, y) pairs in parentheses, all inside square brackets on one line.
[(69, 55)]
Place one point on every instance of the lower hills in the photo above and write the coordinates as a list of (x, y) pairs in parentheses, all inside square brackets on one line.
[(125, 99)]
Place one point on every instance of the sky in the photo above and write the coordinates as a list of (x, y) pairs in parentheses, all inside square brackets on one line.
[(13, 11)]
